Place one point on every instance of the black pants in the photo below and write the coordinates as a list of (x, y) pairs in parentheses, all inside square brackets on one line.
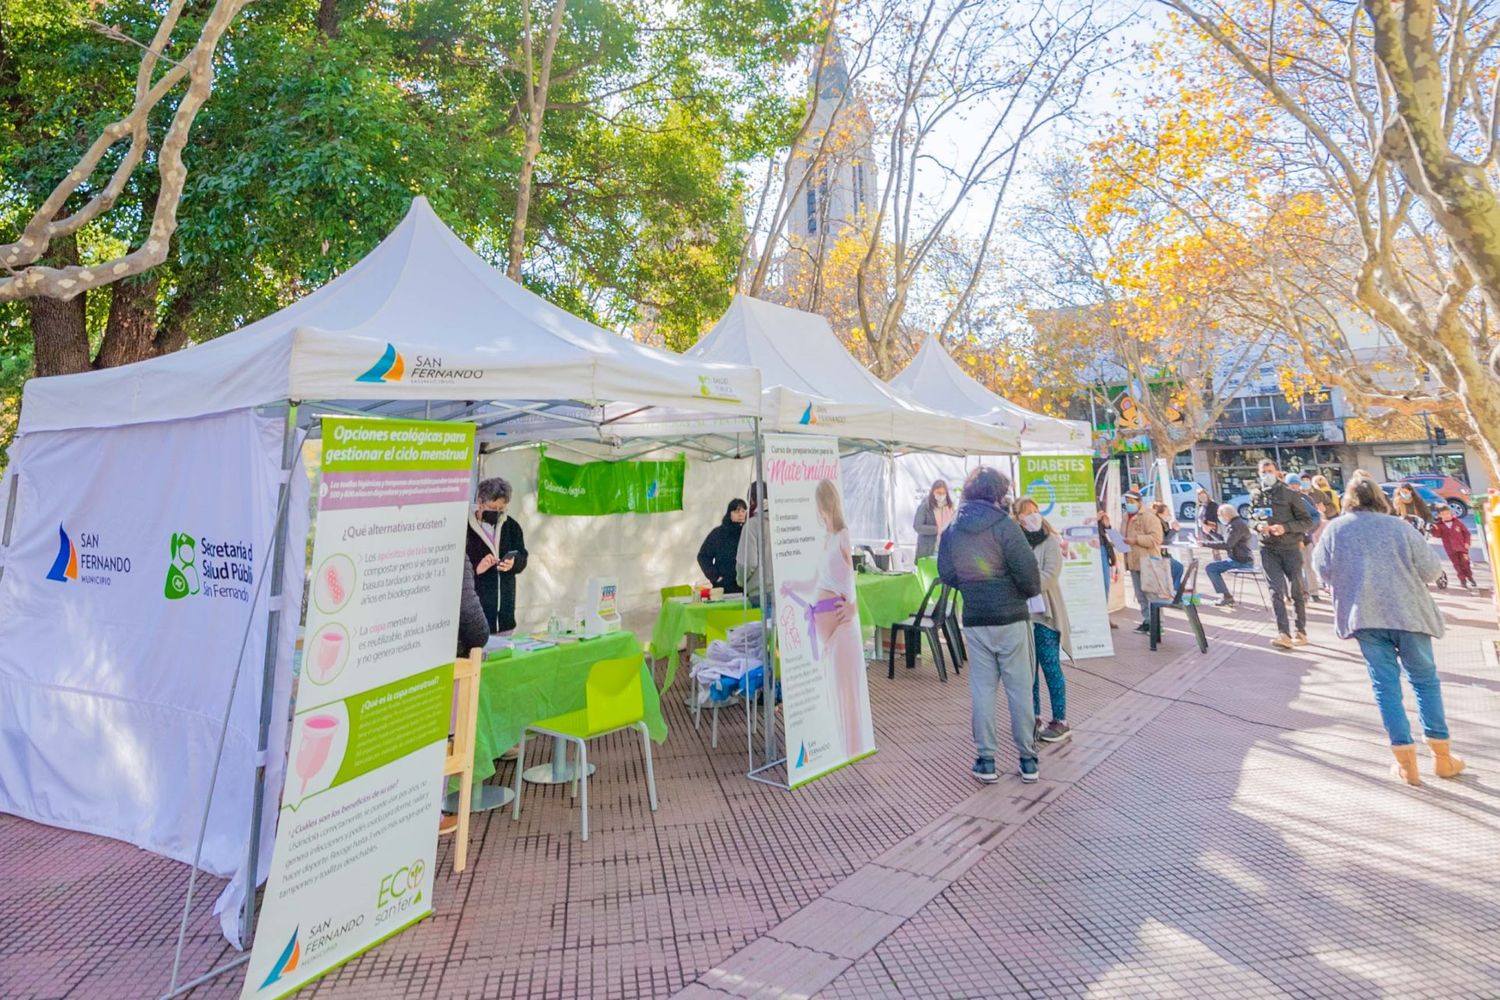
[(1283, 568)]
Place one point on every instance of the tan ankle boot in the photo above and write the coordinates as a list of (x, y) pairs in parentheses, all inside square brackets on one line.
[(1405, 767), (1446, 763)]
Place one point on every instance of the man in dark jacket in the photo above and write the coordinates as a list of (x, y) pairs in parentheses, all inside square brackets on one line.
[(1282, 519), (986, 556), (1236, 545)]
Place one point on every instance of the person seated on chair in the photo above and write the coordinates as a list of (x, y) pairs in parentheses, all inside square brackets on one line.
[(1237, 539), (717, 553)]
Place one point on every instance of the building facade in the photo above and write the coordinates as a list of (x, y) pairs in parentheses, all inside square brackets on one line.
[(1318, 433)]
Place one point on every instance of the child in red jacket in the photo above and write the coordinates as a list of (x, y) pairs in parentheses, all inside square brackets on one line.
[(1455, 536)]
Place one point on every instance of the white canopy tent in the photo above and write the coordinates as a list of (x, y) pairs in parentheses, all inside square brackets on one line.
[(887, 492), (112, 697)]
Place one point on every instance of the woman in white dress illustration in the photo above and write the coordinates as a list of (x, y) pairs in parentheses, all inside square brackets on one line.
[(827, 602)]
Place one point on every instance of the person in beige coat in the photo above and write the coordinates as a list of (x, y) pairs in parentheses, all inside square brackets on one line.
[(1049, 625), (1145, 537)]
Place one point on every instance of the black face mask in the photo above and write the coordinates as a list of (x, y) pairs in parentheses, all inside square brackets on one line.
[(490, 517), (1035, 537)]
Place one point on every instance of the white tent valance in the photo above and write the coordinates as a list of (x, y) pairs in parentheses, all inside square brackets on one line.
[(813, 385)]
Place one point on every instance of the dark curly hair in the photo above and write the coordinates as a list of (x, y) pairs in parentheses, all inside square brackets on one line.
[(987, 485)]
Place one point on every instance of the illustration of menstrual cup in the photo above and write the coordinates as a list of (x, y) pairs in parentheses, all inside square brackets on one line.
[(317, 740), (330, 651)]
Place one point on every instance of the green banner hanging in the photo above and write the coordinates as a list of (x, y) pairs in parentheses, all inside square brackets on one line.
[(568, 490)]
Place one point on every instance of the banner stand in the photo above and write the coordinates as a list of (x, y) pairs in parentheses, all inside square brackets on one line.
[(291, 445), (768, 637)]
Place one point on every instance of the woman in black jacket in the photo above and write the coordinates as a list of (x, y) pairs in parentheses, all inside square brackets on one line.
[(716, 554), (497, 549)]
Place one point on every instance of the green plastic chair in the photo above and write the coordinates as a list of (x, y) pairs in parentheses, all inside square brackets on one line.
[(667, 593), (613, 700), (716, 625), (927, 571)]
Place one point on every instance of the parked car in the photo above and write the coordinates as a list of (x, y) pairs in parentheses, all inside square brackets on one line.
[(1241, 504), (1184, 497), (1450, 489)]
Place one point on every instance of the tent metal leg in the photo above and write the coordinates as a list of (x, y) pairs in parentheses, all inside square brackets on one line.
[(10, 516), (768, 688), (268, 670)]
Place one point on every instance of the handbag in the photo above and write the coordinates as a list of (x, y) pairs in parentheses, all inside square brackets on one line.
[(1156, 577)]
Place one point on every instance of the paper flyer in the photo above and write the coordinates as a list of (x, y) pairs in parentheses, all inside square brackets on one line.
[(825, 697), (357, 835), (1063, 487)]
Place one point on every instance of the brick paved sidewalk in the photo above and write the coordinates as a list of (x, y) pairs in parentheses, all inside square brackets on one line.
[(1220, 826)]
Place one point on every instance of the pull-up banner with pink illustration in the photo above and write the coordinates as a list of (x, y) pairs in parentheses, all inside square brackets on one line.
[(824, 695), (357, 837)]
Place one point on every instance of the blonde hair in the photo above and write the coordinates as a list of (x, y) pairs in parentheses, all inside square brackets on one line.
[(1321, 482), (1026, 505), (831, 504)]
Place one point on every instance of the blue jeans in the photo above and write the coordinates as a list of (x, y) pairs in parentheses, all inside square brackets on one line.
[(1000, 656), (1387, 651), (1216, 571), (1048, 659)]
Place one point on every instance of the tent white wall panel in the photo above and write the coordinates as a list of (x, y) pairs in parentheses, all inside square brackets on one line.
[(113, 692)]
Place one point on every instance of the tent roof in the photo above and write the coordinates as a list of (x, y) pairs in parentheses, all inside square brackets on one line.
[(935, 379), (814, 385), (422, 317)]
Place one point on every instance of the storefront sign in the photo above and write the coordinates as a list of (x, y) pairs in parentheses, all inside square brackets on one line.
[(824, 694), (1063, 486), (357, 836), (595, 488)]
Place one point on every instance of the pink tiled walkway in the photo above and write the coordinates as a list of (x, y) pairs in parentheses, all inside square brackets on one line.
[(1221, 826)]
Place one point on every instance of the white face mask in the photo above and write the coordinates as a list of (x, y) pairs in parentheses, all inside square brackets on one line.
[(1268, 479), (1032, 522)]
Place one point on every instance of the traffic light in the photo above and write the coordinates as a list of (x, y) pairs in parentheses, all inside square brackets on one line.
[(1439, 435)]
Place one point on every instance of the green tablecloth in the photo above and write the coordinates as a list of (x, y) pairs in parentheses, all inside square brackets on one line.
[(520, 688), (886, 599), (883, 600)]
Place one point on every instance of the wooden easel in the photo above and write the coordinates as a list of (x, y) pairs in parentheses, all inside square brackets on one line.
[(460, 759)]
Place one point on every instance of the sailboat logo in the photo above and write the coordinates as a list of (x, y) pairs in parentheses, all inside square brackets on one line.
[(389, 368), (808, 416), (65, 566), (802, 755), (290, 956)]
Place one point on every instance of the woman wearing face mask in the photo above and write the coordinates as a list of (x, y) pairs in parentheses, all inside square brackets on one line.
[(716, 554), (1049, 626), (933, 515), (1407, 504), (497, 549), (1144, 536)]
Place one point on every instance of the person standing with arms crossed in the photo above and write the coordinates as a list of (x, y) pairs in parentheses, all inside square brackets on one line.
[(1282, 519)]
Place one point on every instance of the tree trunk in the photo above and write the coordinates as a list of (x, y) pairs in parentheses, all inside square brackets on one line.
[(1458, 193), (59, 327), (130, 332), (536, 104), (328, 18)]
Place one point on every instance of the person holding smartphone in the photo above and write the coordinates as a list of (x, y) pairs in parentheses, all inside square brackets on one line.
[(496, 547), (1283, 520)]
